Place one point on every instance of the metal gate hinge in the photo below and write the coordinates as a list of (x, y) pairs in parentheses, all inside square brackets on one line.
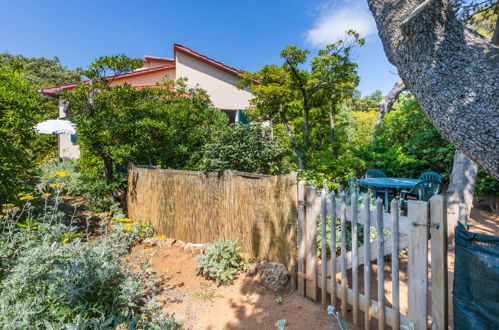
[(304, 203), (436, 225)]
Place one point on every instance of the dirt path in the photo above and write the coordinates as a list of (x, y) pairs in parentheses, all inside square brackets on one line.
[(244, 305)]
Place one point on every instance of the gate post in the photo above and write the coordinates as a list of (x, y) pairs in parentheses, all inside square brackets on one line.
[(418, 264), (439, 287), (302, 188)]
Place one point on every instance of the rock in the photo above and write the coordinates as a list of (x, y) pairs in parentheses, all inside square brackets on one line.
[(274, 275), (179, 244), (252, 269), (150, 242), (169, 242), (195, 249)]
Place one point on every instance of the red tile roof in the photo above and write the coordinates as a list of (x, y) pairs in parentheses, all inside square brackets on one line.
[(52, 91), (206, 59)]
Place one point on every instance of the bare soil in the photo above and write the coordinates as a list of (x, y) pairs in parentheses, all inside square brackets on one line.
[(246, 304)]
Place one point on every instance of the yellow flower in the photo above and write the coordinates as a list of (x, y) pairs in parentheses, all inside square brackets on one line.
[(45, 195), (2, 216), (122, 326), (60, 173), (161, 237), (8, 205), (56, 185), (27, 198), (104, 214), (124, 219), (128, 227)]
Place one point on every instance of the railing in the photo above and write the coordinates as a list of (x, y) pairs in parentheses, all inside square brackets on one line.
[(393, 234)]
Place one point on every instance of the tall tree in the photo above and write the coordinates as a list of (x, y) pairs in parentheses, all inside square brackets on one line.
[(290, 94), (449, 68)]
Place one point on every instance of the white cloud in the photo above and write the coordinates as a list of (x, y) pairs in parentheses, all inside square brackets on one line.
[(334, 20)]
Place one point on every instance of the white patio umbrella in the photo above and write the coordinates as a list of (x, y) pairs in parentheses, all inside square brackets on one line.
[(55, 126)]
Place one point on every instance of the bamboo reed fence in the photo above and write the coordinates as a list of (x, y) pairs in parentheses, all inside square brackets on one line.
[(258, 210), (335, 280)]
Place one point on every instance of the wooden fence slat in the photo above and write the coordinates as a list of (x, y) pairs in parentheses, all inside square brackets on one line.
[(355, 260), (438, 231), (387, 248), (380, 265), (418, 264), (324, 246), (387, 221), (332, 214), (373, 305), (302, 186), (395, 264), (311, 243), (344, 279), (367, 263)]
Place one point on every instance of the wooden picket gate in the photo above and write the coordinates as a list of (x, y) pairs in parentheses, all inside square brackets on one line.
[(411, 232)]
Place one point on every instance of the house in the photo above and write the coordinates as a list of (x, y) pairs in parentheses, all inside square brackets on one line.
[(216, 78)]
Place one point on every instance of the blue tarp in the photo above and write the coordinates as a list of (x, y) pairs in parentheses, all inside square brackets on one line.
[(476, 280)]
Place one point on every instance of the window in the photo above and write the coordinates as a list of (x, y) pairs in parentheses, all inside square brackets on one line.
[(231, 114)]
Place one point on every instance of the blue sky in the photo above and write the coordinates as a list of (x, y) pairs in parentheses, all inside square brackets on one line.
[(243, 34)]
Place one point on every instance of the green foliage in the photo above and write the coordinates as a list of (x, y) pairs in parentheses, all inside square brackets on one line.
[(19, 144), (407, 144), (247, 148), (53, 277), (21, 108), (220, 262), (301, 103), (41, 72), (117, 125)]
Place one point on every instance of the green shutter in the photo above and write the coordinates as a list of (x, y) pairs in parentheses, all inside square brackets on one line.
[(241, 117)]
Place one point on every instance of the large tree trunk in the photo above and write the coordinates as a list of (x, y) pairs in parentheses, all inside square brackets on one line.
[(461, 190), (451, 70)]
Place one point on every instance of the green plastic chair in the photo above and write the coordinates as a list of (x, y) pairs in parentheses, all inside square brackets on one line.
[(423, 190), (431, 176), (374, 173)]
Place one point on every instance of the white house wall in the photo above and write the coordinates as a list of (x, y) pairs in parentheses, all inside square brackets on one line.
[(218, 84)]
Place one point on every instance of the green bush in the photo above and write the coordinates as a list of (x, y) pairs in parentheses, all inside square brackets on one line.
[(247, 148), (220, 262), (53, 277)]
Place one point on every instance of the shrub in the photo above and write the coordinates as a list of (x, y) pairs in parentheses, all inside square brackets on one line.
[(51, 173), (220, 262), (247, 148), (52, 277)]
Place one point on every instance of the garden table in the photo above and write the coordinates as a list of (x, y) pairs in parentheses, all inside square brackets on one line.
[(388, 184)]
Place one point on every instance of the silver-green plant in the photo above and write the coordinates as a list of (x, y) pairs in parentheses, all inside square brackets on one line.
[(343, 324), (220, 262)]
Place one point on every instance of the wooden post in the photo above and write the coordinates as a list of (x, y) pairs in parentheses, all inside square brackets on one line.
[(311, 243), (418, 264), (367, 263), (439, 293), (355, 260), (293, 231), (324, 246), (344, 279), (332, 214), (380, 264), (302, 187), (395, 264)]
